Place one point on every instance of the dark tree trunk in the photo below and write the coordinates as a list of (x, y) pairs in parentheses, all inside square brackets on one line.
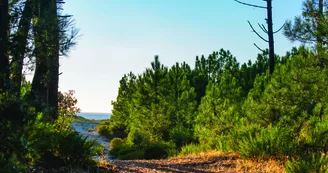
[(54, 65), (320, 18), (4, 61), (270, 35), (19, 48), (40, 78), (45, 81)]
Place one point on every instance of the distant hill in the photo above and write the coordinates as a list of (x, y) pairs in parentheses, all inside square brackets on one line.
[(94, 118)]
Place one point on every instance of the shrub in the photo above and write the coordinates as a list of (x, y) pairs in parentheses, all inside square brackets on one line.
[(74, 149), (136, 154), (12, 165), (316, 163), (181, 136), (52, 148), (98, 149), (230, 141), (138, 138), (103, 129), (156, 151), (268, 142), (121, 150), (193, 148), (115, 142), (313, 135)]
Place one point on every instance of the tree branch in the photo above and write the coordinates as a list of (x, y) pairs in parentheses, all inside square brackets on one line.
[(263, 28), (257, 32), (251, 5), (258, 47), (279, 29)]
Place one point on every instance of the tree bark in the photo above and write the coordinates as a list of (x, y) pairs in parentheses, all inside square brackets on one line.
[(45, 81), (19, 48), (270, 35), (54, 65)]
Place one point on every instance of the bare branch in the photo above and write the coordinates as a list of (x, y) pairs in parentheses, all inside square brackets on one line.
[(263, 28), (279, 29), (247, 4), (258, 47), (63, 16), (257, 32)]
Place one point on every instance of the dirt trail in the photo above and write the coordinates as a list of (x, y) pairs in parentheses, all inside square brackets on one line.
[(203, 163)]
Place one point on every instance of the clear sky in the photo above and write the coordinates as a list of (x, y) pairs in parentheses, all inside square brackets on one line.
[(119, 36)]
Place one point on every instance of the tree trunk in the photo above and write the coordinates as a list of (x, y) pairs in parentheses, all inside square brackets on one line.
[(54, 65), (19, 48), (45, 81), (270, 35), (319, 25), (4, 61)]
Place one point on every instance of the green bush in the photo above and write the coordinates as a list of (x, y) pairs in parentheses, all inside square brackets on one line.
[(230, 141), (181, 136), (136, 154), (98, 149), (12, 165), (156, 151), (268, 142), (103, 129), (193, 148), (138, 138), (52, 148), (115, 142), (121, 150), (313, 136), (316, 163)]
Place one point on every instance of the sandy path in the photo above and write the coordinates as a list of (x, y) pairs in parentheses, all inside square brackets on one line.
[(93, 135)]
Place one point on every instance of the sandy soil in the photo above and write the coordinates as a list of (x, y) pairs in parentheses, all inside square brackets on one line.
[(203, 163), (82, 128)]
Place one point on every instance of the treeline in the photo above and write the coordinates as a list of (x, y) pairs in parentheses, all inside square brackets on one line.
[(179, 110), (224, 105), (35, 118)]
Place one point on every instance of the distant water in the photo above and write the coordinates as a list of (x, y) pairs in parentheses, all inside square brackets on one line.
[(94, 116)]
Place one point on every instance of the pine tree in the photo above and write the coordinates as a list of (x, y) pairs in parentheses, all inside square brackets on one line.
[(219, 109), (311, 27)]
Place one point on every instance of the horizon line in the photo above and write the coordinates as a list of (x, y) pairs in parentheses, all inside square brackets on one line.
[(96, 112)]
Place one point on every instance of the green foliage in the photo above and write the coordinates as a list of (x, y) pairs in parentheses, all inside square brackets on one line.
[(193, 148), (295, 89), (127, 152), (316, 163), (220, 105), (139, 138), (104, 129), (268, 142), (98, 149), (150, 151), (30, 141), (115, 142), (156, 151), (313, 135), (11, 165), (132, 155), (219, 109), (181, 136), (52, 147)]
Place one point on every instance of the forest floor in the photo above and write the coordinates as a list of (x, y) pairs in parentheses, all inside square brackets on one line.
[(202, 163)]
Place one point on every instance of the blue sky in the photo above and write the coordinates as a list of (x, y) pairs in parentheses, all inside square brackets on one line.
[(119, 36)]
